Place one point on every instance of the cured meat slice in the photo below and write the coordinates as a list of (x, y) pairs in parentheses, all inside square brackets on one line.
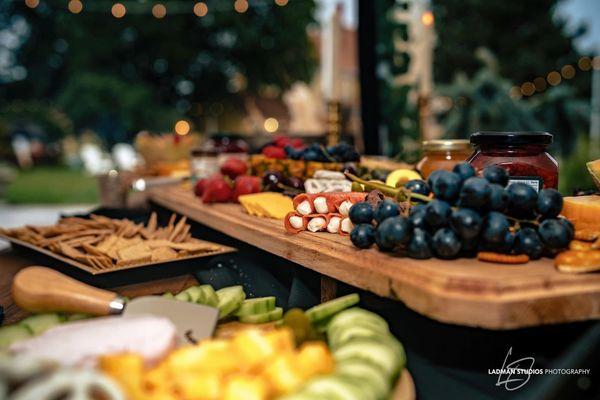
[(289, 227), (311, 203)]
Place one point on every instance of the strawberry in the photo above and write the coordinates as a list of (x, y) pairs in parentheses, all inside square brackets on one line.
[(200, 186), (217, 190), (274, 152), (233, 167), (245, 184), (297, 143)]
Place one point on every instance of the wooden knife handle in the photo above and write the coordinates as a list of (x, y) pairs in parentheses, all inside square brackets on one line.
[(40, 289)]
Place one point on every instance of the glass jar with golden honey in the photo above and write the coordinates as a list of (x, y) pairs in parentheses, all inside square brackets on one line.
[(443, 154)]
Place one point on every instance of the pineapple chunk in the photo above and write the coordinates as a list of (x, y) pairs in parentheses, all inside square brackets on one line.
[(253, 348), (282, 340), (209, 355), (246, 387), (199, 386), (126, 370), (314, 358), (283, 374)]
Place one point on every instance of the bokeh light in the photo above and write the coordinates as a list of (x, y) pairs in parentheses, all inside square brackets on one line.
[(240, 6), (554, 78), (182, 127), (118, 10), (200, 9), (75, 6), (596, 63), (515, 93), (271, 125), (159, 11), (281, 2), (32, 3), (427, 18), (585, 63), (567, 71), (527, 89), (540, 84)]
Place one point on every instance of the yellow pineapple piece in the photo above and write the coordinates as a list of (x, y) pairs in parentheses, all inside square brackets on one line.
[(282, 339), (253, 348), (199, 385), (314, 358), (208, 355), (126, 370), (246, 387), (283, 374)]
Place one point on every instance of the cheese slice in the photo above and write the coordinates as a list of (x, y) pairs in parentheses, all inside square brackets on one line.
[(267, 204), (582, 211)]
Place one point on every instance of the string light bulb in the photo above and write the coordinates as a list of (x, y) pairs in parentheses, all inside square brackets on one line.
[(200, 9), (585, 63), (527, 88), (281, 3), (182, 127), (427, 18), (271, 125), (567, 71), (32, 3), (554, 78), (241, 6), (118, 10), (540, 84), (159, 11), (75, 6)]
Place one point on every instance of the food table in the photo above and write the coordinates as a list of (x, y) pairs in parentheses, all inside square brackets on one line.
[(465, 292)]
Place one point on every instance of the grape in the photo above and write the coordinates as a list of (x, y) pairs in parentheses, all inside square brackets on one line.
[(362, 236), (466, 222), (554, 234), (522, 200), (437, 213), (386, 209), (433, 177), (498, 198), (495, 228), (417, 216), (464, 170), (361, 213), (446, 243), (549, 203), (419, 245), (496, 174), (508, 244), (569, 227), (446, 186), (475, 193), (418, 186), (528, 242), (392, 232)]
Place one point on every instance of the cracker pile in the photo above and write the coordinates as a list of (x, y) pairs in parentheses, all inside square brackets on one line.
[(583, 254), (106, 243)]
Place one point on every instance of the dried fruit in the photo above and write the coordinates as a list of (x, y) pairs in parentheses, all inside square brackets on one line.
[(499, 258)]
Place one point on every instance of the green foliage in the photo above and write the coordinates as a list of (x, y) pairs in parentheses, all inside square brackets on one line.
[(68, 186), (573, 174), (196, 65), (527, 37), (51, 123)]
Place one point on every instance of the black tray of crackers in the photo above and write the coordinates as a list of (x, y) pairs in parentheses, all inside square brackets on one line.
[(100, 245)]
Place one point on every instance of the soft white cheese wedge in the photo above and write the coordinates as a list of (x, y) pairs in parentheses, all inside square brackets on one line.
[(334, 225), (296, 222), (345, 207), (304, 208), (347, 225), (320, 204), (316, 224)]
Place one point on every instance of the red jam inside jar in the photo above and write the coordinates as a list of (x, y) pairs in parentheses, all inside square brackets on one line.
[(522, 154)]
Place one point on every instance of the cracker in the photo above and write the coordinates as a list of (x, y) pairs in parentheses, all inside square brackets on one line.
[(163, 254), (578, 261), (500, 258), (587, 235)]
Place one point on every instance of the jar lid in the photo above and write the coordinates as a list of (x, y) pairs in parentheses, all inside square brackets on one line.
[(447, 145), (511, 138)]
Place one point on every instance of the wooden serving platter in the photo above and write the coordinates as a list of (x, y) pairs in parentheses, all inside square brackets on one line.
[(96, 271), (465, 291)]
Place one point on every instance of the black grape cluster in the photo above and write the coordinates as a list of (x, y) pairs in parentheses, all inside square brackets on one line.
[(467, 214)]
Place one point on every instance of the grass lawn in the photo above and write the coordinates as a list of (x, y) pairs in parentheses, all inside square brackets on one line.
[(54, 185)]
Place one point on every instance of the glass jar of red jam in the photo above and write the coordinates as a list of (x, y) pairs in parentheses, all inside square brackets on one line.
[(522, 154)]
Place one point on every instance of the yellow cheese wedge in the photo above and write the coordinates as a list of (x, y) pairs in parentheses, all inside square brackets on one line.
[(267, 204), (583, 211)]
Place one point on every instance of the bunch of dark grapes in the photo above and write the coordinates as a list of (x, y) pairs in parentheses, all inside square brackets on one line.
[(467, 214)]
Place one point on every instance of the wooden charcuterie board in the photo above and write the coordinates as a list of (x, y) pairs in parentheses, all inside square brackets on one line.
[(465, 291)]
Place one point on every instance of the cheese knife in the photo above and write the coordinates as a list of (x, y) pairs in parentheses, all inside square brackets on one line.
[(41, 289)]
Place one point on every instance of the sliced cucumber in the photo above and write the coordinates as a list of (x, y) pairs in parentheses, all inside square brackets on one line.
[(340, 336), (230, 299), (13, 333), (77, 317), (269, 316), (352, 317), (209, 296), (194, 294), (327, 309), (259, 305), (338, 387), (40, 322), (168, 295), (182, 296), (386, 353), (365, 372)]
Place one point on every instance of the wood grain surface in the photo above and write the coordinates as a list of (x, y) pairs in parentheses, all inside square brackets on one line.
[(465, 291)]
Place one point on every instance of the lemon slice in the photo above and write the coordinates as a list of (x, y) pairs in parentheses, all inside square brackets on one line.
[(401, 176)]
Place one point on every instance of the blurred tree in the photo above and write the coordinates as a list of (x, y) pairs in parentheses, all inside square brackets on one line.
[(196, 65), (527, 37)]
